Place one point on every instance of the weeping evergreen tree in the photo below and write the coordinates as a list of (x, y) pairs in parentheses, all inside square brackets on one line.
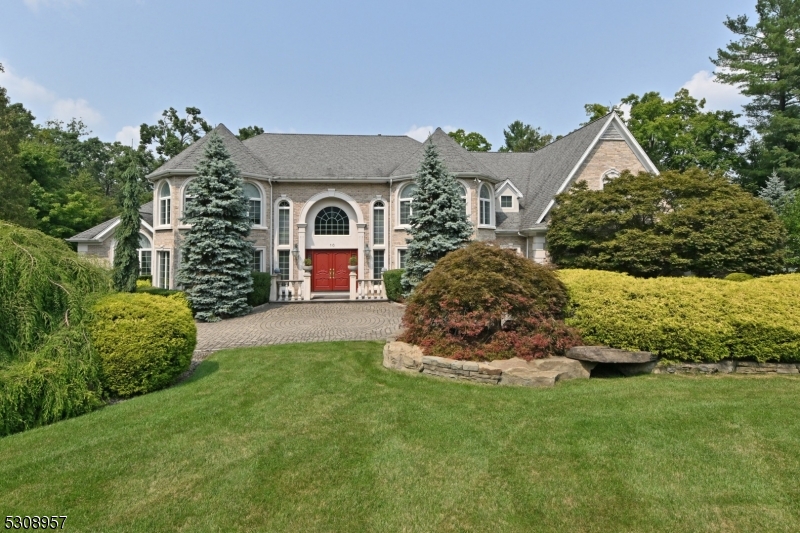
[(126, 253), (216, 256), (439, 224)]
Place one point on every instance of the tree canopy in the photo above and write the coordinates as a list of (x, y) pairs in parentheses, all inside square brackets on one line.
[(764, 63), (249, 131), (520, 137), (678, 134), (472, 141), (172, 133), (668, 224)]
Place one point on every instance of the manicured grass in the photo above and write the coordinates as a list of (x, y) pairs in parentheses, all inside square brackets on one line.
[(319, 437)]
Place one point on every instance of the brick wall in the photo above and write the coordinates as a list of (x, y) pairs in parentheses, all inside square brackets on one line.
[(605, 156)]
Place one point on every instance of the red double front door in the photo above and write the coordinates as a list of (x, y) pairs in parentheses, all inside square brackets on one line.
[(329, 270)]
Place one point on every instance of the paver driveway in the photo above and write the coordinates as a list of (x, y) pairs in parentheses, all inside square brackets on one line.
[(306, 322)]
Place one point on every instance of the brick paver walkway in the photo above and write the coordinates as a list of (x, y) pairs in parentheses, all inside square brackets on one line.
[(306, 322)]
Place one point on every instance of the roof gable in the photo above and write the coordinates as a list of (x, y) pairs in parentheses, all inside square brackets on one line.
[(185, 162), (455, 158)]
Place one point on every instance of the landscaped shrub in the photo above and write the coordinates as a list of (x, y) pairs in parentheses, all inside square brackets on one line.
[(143, 283), (738, 276), (261, 287), (143, 341), (484, 303), (391, 280), (47, 369), (58, 381), (687, 318)]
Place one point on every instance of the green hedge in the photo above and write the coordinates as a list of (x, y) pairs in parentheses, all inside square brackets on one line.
[(261, 287), (391, 279), (738, 276), (691, 319), (143, 341)]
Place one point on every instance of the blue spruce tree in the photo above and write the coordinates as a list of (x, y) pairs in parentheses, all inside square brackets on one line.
[(439, 224), (216, 260), (775, 193)]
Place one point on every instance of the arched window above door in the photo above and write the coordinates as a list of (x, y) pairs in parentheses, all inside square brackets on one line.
[(332, 221)]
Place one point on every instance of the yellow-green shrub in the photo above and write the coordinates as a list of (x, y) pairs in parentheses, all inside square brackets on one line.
[(143, 341), (688, 318)]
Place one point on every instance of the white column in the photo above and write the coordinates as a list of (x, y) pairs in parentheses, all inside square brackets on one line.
[(353, 285), (273, 289), (306, 285), (361, 259)]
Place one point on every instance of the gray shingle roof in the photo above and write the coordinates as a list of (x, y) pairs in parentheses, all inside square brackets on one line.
[(454, 156), (331, 156), (546, 170), (145, 212), (186, 160)]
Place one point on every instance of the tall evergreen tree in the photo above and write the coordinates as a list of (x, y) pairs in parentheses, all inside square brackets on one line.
[(217, 256), (764, 63), (438, 222), (126, 253)]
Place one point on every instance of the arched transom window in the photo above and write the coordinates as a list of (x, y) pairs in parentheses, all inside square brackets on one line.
[(406, 199), (332, 221), (486, 206), (164, 205), (283, 222), (253, 196)]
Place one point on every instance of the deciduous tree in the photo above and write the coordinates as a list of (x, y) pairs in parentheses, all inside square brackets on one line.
[(522, 137), (472, 141), (173, 133), (249, 131)]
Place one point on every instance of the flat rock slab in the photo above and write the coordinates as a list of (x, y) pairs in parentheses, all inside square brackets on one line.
[(604, 354)]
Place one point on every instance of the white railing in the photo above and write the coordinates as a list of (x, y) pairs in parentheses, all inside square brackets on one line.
[(289, 290), (370, 289)]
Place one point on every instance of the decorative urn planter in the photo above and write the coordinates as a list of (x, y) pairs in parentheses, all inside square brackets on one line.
[(307, 268), (352, 268)]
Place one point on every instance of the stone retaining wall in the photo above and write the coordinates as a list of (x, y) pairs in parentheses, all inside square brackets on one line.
[(464, 370), (727, 367)]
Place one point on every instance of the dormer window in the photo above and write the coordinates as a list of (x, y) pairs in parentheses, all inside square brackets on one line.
[(506, 201)]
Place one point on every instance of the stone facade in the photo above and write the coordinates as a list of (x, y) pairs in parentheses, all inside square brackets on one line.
[(607, 156)]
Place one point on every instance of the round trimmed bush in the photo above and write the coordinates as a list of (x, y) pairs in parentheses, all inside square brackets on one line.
[(483, 302), (738, 276), (143, 341)]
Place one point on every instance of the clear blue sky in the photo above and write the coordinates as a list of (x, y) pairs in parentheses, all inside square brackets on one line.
[(356, 66)]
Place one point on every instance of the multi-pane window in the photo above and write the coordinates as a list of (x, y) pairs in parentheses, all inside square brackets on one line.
[(164, 205), (187, 198), (378, 263), (283, 222), (163, 270), (283, 263), (486, 206), (463, 192), (506, 201), (378, 211), (257, 265), (402, 254), (406, 199), (253, 196), (145, 256), (332, 221)]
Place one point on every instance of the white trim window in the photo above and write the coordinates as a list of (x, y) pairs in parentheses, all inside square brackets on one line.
[(378, 263), (506, 201), (402, 256), (145, 256), (253, 196), (378, 223), (257, 264), (187, 198), (407, 194), (163, 269), (284, 222), (463, 192), (164, 205), (485, 198)]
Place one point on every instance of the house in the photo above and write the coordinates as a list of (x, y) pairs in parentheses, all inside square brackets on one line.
[(330, 197)]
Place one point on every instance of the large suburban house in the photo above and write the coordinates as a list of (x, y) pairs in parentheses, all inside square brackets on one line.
[(330, 197)]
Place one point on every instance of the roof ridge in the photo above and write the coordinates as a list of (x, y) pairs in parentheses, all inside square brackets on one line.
[(573, 131), (375, 135)]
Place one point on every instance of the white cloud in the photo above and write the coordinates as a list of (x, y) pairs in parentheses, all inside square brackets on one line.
[(421, 133), (719, 96), (128, 135), (44, 103), (34, 5)]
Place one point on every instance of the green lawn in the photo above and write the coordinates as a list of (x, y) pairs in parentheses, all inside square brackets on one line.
[(319, 437)]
